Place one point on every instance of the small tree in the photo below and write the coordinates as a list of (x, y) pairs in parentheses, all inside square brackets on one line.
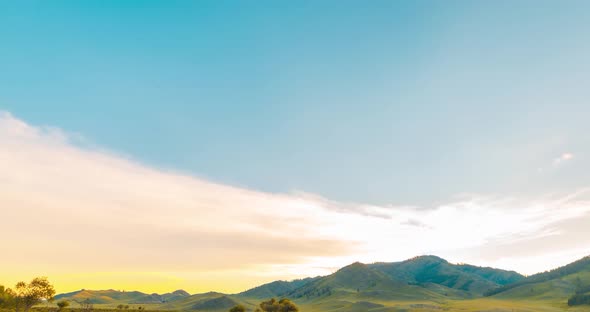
[(120, 307), (272, 305), (62, 304), (238, 308), (28, 295)]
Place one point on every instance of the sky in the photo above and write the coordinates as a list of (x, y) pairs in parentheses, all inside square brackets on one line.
[(217, 145)]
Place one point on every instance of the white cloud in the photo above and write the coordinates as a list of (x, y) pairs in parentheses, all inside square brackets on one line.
[(79, 210), (563, 158)]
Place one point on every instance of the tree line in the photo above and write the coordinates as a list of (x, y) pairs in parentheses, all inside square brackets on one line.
[(24, 295)]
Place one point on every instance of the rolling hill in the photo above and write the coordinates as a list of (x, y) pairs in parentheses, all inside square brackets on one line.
[(276, 288), (358, 287), (463, 280), (210, 301), (425, 283), (109, 296), (157, 298), (557, 284)]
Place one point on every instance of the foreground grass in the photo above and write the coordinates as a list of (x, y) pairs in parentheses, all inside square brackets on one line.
[(471, 305)]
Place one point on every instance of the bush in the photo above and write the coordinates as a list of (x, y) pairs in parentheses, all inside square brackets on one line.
[(238, 308), (62, 304)]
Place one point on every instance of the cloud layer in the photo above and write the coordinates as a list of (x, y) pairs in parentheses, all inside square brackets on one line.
[(81, 215)]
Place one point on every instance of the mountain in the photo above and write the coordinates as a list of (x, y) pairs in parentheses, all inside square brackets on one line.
[(462, 280), (425, 278), (558, 284), (276, 288), (425, 283), (360, 282)]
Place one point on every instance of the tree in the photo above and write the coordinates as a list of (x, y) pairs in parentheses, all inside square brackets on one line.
[(272, 305), (28, 295), (238, 308), (120, 307), (6, 297), (62, 304)]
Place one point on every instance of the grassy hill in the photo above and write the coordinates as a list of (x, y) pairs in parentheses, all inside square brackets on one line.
[(425, 283), (358, 287), (157, 298), (463, 280), (354, 278), (109, 296), (559, 284), (219, 303), (276, 288)]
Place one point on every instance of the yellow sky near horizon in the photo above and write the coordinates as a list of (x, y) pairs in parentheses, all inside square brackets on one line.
[(147, 282)]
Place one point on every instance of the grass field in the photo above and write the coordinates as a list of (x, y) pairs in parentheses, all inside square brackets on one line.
[(471, 305), (344, 305)]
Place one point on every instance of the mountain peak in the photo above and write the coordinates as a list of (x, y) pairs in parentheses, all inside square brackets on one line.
[(181, 292), (353, 266), (430, 258)]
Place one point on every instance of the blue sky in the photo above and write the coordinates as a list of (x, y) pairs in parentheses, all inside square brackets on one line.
[(462, 125), (384, 102)]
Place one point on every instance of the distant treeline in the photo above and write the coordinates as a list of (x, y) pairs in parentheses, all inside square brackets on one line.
[(582, 296), (571, 268), (578, 299)]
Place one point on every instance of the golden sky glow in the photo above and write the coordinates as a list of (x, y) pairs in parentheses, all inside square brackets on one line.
[(88, 218)]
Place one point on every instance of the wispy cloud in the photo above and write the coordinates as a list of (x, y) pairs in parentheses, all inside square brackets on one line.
[(77, 211), (82, 208)]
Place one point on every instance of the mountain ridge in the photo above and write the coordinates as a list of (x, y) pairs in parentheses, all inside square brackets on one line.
[(427, 280)]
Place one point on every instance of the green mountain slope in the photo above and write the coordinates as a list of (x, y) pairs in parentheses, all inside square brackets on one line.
[(556, 285), (359, 282), (276, 288), (462, 280)]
